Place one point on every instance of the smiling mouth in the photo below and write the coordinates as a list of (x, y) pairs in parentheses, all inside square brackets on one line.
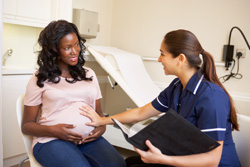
[(74, 59)]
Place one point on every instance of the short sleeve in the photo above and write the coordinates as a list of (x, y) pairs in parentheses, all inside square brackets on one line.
[(33, 93), (163, 102), (213, 112), (160, 103)]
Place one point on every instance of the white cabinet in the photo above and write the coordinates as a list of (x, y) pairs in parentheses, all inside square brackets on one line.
[(27, 12), (36, 13), (12, 87), (62, 9), (9, 8), (35, 10)]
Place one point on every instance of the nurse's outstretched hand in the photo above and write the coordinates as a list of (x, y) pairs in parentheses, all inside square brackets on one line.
[(92, 115)]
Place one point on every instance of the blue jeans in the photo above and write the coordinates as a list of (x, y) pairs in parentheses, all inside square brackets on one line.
[(59, 153)]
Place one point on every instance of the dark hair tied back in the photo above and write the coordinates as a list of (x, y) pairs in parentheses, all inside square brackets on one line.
[(185, 42)]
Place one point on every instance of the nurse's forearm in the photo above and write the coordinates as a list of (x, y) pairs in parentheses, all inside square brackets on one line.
[(209, 159), (134, 115)]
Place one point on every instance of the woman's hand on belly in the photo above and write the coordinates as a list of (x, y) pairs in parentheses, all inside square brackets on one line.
[(95, 134), (63, 132)]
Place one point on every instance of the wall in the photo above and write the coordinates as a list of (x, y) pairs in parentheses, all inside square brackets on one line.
[(138, 26), (142, 28)]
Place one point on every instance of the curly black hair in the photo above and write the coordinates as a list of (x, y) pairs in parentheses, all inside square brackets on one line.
[(49, 40)]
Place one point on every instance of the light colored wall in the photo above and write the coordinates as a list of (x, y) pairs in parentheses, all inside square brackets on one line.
[(138, 26)]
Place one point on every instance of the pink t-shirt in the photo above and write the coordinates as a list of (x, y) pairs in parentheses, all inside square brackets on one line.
[(61, 102)]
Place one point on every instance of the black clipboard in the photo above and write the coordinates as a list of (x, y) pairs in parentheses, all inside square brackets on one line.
[(172, 134)]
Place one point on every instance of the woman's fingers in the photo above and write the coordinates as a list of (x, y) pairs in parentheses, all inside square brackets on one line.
[(87, 109), (140, 152), (89, 112), (149, 144), (72, 136)]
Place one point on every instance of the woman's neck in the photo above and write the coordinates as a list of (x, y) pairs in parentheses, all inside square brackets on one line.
[(185, 76), (64, 69), (65, 73)]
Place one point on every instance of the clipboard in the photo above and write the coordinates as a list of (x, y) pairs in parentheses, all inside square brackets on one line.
[(172, 134)]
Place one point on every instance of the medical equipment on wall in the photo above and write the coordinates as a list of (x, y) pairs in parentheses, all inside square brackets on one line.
[(86, 22)]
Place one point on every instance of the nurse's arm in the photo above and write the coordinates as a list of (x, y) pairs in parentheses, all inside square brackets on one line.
[(129, 116), (208, 159), (98, 131)]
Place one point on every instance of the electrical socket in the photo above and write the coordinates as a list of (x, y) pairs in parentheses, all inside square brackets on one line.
[(243, 52)]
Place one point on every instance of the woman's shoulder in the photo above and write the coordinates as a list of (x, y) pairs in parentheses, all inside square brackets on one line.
[(213, 86), (32, 84), (33, 77), (213, 89), (89, 71)]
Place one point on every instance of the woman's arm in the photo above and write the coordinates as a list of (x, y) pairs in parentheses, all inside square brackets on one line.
[(60, 131), (208, 159), (130, 116)]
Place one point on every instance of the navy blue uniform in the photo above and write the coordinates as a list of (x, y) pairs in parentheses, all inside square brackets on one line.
[(205, 105)]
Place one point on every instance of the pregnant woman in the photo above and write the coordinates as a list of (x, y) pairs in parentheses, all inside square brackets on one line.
[(60, 86)]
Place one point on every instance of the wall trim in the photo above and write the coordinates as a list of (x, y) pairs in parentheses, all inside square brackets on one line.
[(155, 59), (237, 96), (240, 96)]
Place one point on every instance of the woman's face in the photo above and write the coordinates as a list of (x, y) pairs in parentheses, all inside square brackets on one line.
[(167, 60), (69, 49)]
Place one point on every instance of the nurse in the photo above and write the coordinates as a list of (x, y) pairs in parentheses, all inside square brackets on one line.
[(196, 94)]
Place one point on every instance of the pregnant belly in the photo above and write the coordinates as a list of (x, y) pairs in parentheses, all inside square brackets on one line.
[(70, 114)]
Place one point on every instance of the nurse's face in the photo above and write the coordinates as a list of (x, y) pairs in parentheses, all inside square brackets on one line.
[(69, 50), (167, 60)]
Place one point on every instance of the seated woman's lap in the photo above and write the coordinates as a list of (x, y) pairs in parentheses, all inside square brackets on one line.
[(103, 152), (98, 153)]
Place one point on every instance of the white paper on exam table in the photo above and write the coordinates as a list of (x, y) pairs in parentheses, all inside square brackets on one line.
[(133, 71)]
